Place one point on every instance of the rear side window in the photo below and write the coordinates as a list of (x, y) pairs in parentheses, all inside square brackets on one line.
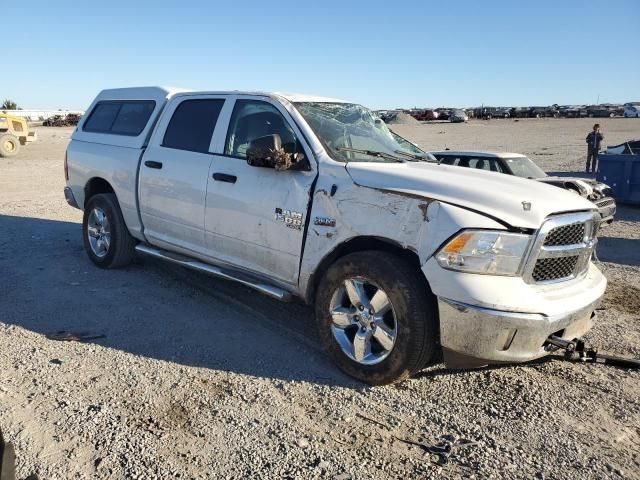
[(126, 117), (192, 124)]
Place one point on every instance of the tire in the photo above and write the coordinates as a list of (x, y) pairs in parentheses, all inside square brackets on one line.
[(9, 145), (412, 316), (120, 248)]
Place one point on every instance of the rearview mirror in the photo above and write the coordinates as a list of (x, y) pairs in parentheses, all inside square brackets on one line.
[(267, 152)]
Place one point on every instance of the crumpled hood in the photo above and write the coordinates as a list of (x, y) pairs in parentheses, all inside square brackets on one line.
[(494, 194)]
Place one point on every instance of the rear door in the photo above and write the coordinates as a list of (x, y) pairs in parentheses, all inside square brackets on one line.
[(255, 216), (175, 170)]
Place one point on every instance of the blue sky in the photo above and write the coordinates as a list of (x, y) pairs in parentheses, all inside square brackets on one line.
[(382, 54)]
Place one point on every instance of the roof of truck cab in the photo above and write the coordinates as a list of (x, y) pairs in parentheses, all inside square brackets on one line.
[(478, 153), (167, 92), (292, 97)]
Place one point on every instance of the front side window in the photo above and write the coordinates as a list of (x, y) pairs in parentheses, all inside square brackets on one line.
[(352, 133), (253, 119), (125, 117), (192, 124)]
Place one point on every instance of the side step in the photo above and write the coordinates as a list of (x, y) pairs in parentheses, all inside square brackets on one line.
[(227, 274)]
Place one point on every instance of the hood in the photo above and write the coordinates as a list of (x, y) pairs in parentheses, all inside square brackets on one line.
[(494, 194)]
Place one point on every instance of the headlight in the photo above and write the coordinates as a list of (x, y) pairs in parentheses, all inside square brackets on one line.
[(485, 251)]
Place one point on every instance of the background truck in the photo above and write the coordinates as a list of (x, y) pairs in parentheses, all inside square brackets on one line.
[(303, 196)]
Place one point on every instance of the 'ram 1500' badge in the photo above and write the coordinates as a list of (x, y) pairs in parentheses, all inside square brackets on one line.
[(289, 218)]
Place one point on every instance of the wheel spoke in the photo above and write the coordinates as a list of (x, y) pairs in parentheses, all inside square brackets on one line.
[(106, 241), (342, 317), (356, 293), (383, 335), (92, 231), (99, 217), (361, 345), (380, 303)]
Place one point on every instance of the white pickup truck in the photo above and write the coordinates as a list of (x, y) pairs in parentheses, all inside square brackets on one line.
[(309, 197)]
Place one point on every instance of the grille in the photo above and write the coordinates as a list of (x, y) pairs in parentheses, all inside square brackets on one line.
[(571, 234), (606, 202), (554, 268)]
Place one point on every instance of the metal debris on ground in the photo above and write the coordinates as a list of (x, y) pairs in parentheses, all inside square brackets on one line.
[(64, 336), (442, 449)]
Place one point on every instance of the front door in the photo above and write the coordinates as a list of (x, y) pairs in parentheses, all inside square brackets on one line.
[(175, 171), (255, 216)]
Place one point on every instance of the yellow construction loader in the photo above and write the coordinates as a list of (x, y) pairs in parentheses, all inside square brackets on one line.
[(14, 132)]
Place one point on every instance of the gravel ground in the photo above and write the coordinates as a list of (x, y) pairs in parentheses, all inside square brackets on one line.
[(200, 378)]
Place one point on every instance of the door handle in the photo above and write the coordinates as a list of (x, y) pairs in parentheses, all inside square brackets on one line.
[(152, 164), (224, 177)]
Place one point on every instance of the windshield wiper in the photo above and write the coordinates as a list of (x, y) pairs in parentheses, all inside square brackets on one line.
[(420, 158), (372, 153)]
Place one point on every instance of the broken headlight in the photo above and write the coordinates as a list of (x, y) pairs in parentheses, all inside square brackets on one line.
[(485, 251)]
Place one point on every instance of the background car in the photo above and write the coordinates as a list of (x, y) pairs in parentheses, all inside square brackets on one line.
[(424, 114), (488, 113), (573, 111), (632, 110), (521, 166), (458, 115), (605, 110)]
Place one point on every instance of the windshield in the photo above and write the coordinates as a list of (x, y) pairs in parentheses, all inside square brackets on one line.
[(345, 127), (524, 167)]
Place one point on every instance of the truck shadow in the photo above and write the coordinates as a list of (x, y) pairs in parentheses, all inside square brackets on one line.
[(152, 309)]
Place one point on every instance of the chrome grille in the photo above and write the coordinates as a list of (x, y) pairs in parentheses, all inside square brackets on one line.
[(605, 202), (572, 234), (554, 268), (562, 248)]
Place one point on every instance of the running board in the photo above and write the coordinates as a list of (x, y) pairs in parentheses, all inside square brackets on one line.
[(227, 274)]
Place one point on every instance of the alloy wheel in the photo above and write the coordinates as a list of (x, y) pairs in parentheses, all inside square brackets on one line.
[(364, 323), (99, 232)]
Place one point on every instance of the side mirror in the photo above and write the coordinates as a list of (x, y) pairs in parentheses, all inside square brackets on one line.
[(267, 152)]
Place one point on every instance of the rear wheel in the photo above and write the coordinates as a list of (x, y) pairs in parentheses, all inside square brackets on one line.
[(376, 317), (106, 238), (9, 145)]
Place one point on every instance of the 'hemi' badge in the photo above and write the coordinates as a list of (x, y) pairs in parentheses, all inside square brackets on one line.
[(325, 221)]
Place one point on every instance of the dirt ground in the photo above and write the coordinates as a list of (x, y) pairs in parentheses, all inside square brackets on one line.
[(200, 378)]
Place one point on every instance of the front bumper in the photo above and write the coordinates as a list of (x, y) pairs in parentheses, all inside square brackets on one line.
[(473, 336)]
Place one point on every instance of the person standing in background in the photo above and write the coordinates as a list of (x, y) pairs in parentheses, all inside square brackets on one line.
[(593, 147)]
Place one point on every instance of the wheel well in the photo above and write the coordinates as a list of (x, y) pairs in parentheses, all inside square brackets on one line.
[(358, 244), (96, 185)]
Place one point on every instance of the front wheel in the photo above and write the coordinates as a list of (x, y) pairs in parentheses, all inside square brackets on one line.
[(376, 317), (106, 238)]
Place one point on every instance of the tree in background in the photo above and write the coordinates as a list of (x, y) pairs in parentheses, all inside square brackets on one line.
[(9, 105)]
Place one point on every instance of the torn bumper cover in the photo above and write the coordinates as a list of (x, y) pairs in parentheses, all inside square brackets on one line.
[(473, 336)]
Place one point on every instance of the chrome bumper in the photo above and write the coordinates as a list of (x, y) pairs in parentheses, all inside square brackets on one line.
[(71, 200), (474, 336)]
